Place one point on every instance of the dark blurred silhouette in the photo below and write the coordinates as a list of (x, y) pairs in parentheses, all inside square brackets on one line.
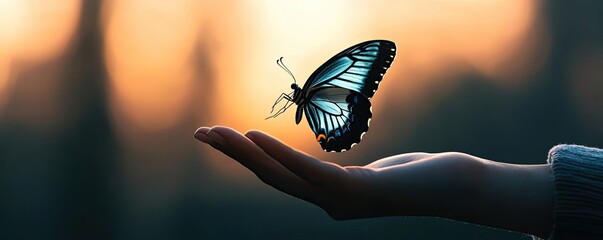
[(62, 183)]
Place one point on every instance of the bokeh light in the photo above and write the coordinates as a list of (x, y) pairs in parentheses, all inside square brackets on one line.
[(149, 52), (31, 32)]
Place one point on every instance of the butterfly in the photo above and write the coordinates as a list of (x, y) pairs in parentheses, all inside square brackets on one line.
[(335, 98)]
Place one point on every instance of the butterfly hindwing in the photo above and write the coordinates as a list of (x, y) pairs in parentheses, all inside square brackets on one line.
[(338, 116), (359, 68)]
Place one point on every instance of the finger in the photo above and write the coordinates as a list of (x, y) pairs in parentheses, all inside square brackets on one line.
[(201, 135), (304, 166), (238, 147)]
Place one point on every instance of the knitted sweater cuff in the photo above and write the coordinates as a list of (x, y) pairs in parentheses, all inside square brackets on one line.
[(578, 180)]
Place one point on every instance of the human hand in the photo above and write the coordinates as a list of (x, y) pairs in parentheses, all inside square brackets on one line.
[(451, 185)]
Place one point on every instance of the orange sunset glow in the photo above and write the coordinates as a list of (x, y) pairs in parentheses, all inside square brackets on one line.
[(152, 50), (426, 33)]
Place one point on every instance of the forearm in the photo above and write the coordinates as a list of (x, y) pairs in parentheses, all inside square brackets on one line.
[(515, 197), (474, 190)]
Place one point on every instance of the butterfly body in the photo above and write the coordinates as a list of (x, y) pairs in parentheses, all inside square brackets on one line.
[(299, 99), (335, 98)]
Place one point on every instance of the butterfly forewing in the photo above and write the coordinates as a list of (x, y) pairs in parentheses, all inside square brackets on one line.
[(359, 68)]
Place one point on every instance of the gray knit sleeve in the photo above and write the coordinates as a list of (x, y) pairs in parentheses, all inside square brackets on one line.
[(578, 180)]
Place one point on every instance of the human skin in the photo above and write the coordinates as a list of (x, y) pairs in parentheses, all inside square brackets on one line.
[(451, 185)]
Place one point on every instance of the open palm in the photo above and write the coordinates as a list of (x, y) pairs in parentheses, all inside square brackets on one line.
[(451, 185)]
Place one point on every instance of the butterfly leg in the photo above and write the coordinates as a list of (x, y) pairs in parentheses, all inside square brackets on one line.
[(280, 98), (282, 110)]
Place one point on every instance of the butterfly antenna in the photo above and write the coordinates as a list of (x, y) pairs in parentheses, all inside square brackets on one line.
[(281, 64)]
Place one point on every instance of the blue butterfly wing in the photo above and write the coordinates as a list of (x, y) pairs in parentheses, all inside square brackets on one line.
[(337, 107), (339, 117), (359, 68)]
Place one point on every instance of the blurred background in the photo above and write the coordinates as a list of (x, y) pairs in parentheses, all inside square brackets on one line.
[(99, 101)]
